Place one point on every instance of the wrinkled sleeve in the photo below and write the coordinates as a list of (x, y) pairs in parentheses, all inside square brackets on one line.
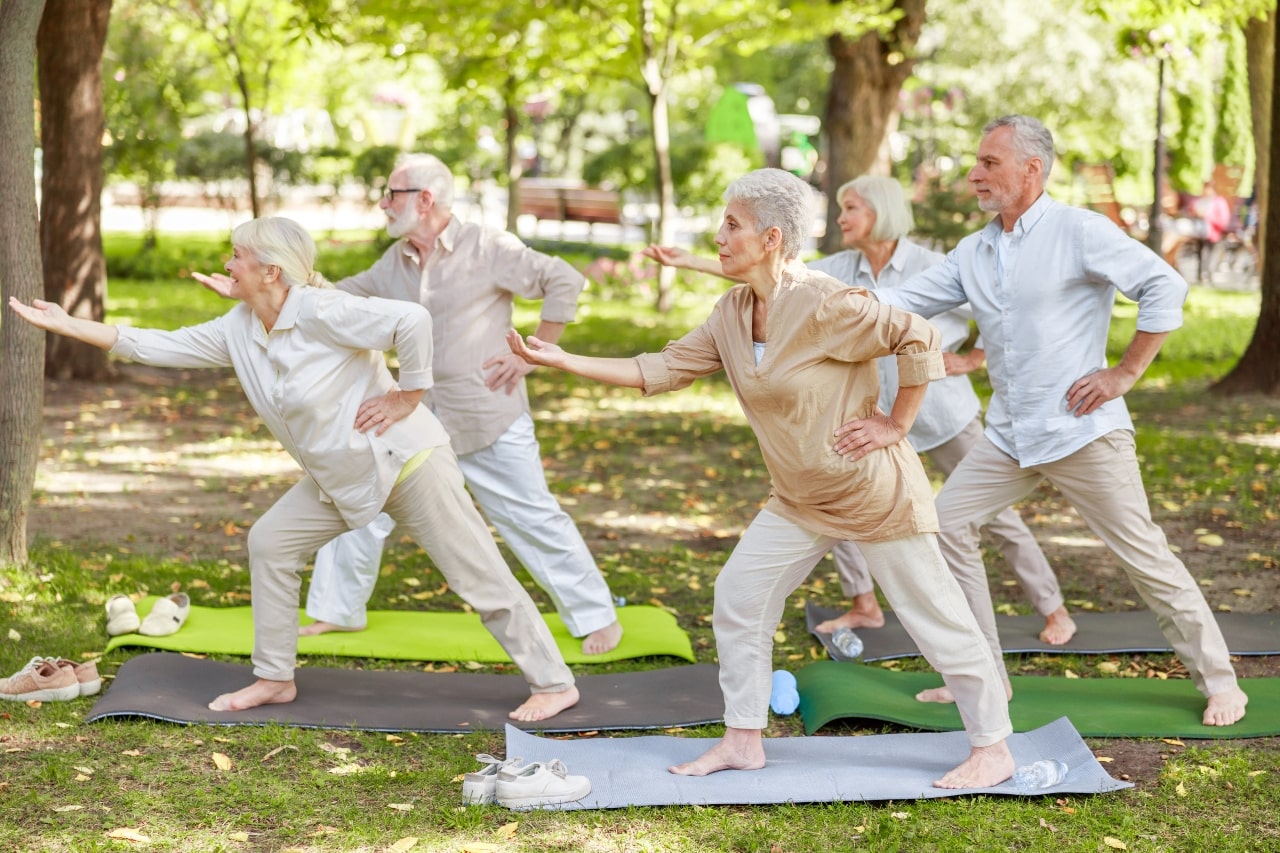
[(530, 274), (851, 326), (382, 324), (1113, 257), (204, 345), (928, 292), (680, 362)]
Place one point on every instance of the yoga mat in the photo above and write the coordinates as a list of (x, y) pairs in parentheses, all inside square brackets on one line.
[(1098, 707), (632, 771), (413, 635), (1097, 634), (177, 689)]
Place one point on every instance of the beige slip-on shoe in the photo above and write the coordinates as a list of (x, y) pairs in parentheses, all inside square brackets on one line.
[(122, 616), (167, 616)]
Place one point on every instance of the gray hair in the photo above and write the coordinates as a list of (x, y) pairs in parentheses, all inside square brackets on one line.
[(776, 199), (1030, 139), (281, 242), (886, 198), (428, 172)]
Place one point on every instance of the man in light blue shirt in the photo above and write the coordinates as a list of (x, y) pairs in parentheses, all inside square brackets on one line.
[(1041, 280)]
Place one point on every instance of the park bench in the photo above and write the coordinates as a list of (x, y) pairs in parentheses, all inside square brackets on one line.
[(568, 201)]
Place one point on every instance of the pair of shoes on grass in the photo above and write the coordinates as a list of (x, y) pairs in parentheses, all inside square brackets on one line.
[(517, 785), (166, 617), (46, 679)]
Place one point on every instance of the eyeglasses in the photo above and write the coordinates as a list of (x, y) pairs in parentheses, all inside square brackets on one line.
[(390, 195)]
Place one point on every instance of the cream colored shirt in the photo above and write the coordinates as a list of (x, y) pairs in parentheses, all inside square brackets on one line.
[(817, 373), (307, 377), (468, 284)]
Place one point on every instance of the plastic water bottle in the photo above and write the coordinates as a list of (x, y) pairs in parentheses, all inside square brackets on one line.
[(847, 643), (1043, 774), (784, 698)]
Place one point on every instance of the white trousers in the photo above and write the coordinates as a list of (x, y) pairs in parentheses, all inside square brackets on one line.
[(774, 557), (434, 508), (1103, 482), (508, 482), (1015, 541)]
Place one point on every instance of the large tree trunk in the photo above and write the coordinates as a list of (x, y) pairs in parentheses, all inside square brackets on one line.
[(1260, 50), (868, 75), (1258, 370), (21, 344), (69, 46)]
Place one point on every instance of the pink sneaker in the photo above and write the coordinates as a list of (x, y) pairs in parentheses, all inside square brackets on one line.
[(40, 680), (86, 674)]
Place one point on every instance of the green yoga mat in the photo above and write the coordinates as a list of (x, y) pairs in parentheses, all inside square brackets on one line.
[(413, 635), (1097, 707)]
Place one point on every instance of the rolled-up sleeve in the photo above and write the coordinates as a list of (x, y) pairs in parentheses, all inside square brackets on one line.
[(1140, 274), (530, 274), (204, 345), (680, 363)]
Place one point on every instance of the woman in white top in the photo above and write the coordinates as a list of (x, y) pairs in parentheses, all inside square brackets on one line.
[(875, 218), (310, 360)]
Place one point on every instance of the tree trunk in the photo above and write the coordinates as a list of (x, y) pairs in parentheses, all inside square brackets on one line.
[(511, 113), (868, 75), (1260, 49), (69, 47), (21, 344), (1258, 370), (661, 129)]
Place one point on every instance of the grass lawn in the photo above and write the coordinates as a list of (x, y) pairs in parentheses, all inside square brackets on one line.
[(661, 488)]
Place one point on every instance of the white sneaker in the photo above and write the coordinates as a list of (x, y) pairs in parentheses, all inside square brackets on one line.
[(478, 787), (539, 784)]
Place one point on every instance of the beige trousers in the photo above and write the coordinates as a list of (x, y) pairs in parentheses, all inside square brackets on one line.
[(774, 556), (1015, 541), (432, 506), (1103, 483)]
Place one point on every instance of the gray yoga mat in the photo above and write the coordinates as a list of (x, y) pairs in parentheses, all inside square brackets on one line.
[(632, 771), (177, 689), (1133, 631)]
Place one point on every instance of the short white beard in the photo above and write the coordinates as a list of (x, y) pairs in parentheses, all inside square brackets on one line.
[(403, 223)]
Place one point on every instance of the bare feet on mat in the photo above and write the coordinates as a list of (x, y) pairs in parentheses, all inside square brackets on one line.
[(324, 628), (261, 692), (604, 640), (739, 749), (860, 615), (944, 696), (985, 766), (1059, 628), (542, 706), (1225, 708)]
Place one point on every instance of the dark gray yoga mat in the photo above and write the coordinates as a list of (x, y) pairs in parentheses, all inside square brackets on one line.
[(1097, 634), (632, 771), (177, 689)]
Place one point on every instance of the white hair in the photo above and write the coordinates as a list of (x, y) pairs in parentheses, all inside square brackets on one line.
[(428, 172), (887, 200), (776, 199), (281, 242), (1030, 138)]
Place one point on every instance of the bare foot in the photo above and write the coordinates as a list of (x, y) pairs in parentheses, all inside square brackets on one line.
[(1059, 628), (604, 640), (324, 628), (261, 692), (739, 749), (1225, 708), (985, 766), (854, 617), (943, 696), (541, 706)]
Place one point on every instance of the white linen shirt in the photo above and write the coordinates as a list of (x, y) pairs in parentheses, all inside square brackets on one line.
[(950, 403), (1044, 322), (307, 377)]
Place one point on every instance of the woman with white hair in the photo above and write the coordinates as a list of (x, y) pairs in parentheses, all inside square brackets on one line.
[(798, 348), (310, 358), (875, 219)]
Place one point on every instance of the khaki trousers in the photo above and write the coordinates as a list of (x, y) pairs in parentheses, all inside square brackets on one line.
[(1103, 483), (1015, 541), (774, 556), (432, 506)]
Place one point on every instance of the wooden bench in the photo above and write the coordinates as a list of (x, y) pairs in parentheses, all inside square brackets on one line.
[(568, 201), (1100, 191)]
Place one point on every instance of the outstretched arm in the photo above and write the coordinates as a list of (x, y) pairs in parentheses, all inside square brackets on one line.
[(50, 317), (615, 371), (670, 256)]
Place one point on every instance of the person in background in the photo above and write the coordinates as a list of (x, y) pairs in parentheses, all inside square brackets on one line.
[(875, 218), (311, 361), (799, 348), (1041, 279)]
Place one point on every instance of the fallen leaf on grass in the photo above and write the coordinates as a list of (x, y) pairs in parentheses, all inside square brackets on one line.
[(277, 751), (1044, 824), (83, 769), (336, 750), (126, 834), (508, 830), (346, 769), (401, 807), (1253, 773), (238, 836), (403, 844), (1172, 741), (480, 847), (132, 752), (1115, 843), (64, 809), (14, 635), (221, 761), (1104, 759), (1109, 666), (1069, 674), (1181, 790), (900, 815), (1213, 540)]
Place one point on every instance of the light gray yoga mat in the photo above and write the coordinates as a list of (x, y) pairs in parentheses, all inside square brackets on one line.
[(1124, 632), (633, 771)]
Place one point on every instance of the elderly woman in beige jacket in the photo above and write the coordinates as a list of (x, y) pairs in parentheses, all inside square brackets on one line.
[(310, 360), (799, 350)]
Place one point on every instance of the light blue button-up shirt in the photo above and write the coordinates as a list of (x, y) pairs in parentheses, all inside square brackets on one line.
[(1044, 320), (949, 404)]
